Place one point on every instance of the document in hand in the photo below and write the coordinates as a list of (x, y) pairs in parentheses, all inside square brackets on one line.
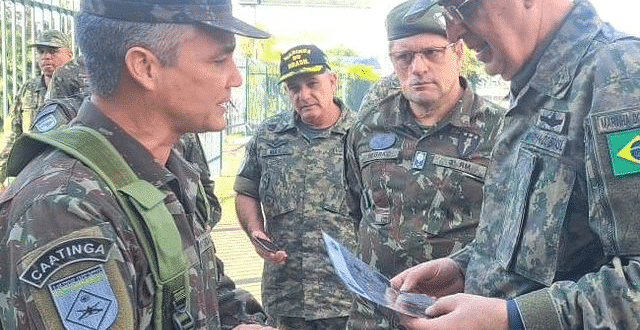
[(370, 284)]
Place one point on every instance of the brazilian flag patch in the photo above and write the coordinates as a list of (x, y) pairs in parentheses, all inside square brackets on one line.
[(624, 151)]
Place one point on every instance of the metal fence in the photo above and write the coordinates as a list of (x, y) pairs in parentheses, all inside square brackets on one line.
[(260, 97), (21, 22), (263, 97)]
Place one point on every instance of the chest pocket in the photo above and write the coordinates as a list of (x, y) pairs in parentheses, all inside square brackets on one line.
[(459, 196), (541, 187), (375, 166), (333, 185), (276, 193)]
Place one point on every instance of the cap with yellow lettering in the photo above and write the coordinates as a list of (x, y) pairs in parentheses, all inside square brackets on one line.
[(302, 60)]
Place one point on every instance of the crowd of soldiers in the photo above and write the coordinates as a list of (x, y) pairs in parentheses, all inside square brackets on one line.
[(517, 218)]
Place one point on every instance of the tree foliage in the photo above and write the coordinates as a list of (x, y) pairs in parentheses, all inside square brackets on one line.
[(472, 69)]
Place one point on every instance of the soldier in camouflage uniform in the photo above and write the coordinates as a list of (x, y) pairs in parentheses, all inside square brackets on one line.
[(558, 245), (59, 221), (293, 172), (382, 88), (70, 86), (70, 81), (53, 49), (416, 159)]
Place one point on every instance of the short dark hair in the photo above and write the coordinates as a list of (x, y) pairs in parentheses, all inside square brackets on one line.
[(104, 43)]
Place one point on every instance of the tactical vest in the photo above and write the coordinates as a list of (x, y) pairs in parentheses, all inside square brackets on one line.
[(143, 205)]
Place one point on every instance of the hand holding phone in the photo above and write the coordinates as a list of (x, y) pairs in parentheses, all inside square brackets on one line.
[(264, 244)]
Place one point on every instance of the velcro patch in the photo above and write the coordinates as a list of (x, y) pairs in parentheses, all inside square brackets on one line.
[(379, 154), (618, 121), (65, 253), (551, 142), (85, 300), (460, 165), (46, 123), (624, 152), (554, 121), (280, 151)]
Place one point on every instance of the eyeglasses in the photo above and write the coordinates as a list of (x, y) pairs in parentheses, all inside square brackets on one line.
[(457, 14), (404, 59)]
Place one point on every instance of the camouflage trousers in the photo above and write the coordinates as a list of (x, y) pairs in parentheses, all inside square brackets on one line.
[(299, 323), (365, 315)]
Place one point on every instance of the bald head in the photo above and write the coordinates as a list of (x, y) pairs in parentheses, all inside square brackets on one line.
[(504, 33)]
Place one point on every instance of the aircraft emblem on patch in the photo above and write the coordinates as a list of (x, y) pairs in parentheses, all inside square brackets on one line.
[(85, 300), (624, 151)]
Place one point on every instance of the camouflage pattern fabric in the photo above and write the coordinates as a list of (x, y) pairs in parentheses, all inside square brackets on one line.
[(299, 182), (67, 248), (68, 88), (29, 99), (298, 323), (70, 81), (385, 87), (416, 191), (559, 224)]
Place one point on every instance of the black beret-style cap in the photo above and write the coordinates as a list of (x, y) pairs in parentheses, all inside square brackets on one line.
[(214, 13), (302, 60), (418, 9), (398, 27)]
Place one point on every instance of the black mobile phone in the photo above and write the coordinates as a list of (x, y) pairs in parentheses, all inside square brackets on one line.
[(265, 244)]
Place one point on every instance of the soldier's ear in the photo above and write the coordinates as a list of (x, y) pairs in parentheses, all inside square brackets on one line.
[(143, 67)]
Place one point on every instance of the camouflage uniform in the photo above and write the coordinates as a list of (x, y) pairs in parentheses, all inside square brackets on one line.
[(299, 182), (560, 223), (56, 202), (69, 87), (70, 81), (419, 189), (382, 88), (30, 98)]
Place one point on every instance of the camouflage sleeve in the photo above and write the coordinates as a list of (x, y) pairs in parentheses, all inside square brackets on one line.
[(382, 88), (609, 297), (67, 260), (236, 306), (191, 148), (248, 178), (353, 177), (15, 130)]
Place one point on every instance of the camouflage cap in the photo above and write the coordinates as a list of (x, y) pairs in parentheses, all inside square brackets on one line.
[(398, 28), (214, 13), (302, 60), (418, 9), (52, 38)]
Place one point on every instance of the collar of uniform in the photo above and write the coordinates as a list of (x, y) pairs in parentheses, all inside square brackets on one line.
[(339, 127), (559, 62), (135, 154), (40, 84)]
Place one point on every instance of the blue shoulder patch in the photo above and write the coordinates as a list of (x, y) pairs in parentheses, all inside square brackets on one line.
[(46, 123)]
